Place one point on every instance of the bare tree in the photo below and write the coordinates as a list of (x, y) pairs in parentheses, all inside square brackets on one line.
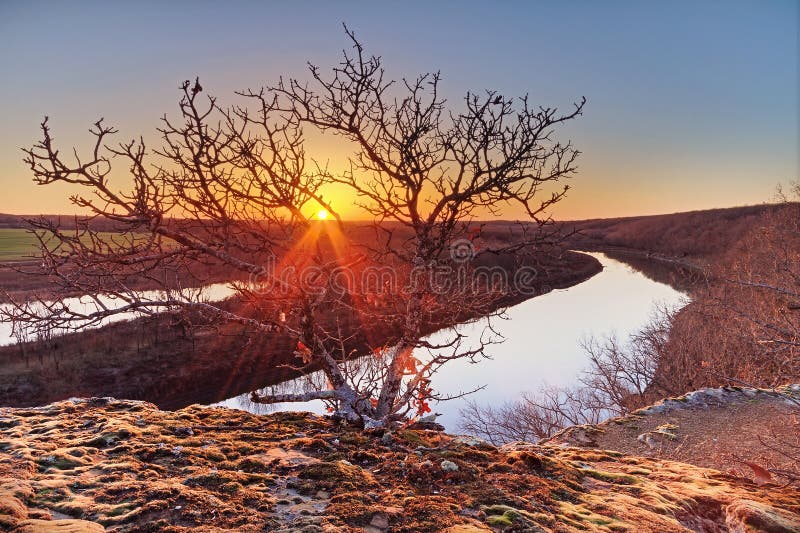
[(621, 377), (231, 187), (535, 416), (743, 325), (627, 375), (430, 172)]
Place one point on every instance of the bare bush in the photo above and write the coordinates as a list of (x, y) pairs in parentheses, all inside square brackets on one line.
[(620, 378), (787, 451), (625, 376), (742, 327), (232, 186), (534, 416)]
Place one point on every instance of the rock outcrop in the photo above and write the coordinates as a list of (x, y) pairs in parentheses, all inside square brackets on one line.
[(740, 430), (85, 465)]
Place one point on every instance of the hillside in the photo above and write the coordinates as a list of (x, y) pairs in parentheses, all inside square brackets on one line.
[(694, 234), (740, 267), (82, 465)]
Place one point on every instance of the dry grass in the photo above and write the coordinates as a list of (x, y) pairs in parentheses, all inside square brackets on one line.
[(696, 234)]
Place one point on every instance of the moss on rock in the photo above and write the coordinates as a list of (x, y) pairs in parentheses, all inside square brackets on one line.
[(212, 469)]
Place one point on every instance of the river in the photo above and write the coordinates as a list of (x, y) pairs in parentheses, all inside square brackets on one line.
[(542, 345), (88, 305)]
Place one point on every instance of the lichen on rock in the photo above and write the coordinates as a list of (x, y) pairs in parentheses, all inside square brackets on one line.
[(89, 465)]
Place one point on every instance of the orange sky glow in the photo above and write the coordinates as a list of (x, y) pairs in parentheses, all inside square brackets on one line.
[(707, 120)]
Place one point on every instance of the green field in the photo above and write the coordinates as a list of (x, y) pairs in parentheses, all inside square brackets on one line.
[(17, 244)]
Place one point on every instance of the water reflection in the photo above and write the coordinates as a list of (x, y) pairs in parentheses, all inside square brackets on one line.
[(87, 305), (542, 341)]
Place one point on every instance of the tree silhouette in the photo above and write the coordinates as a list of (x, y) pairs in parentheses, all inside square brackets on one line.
[(231, 189)]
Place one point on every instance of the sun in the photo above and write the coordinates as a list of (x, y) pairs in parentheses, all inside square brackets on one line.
[(322, 214)]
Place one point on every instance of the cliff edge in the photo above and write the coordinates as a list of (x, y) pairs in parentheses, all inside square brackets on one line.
[(86, 465), (747, 432)]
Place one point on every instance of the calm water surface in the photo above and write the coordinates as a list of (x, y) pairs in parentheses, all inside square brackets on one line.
[(542, 340), (87, 305)]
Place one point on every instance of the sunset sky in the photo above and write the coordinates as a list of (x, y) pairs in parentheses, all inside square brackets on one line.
[(691, 104)]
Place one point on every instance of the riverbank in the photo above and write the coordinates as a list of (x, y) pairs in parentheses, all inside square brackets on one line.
[(158, 361), (740, 268), (126, 466)]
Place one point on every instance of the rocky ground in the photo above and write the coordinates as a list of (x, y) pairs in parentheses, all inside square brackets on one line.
[(86, 465), (744, 431)]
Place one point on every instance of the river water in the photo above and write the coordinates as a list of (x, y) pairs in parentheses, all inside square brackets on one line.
[(542, 345), (87, 305)]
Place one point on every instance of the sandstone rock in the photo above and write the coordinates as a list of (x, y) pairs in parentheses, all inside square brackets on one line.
[(746, 516), (183, 431), (58, 526), (380, 521), (285, 458), (469, 440), (449, 466), (647, 438), (467, 528), (583, 436)]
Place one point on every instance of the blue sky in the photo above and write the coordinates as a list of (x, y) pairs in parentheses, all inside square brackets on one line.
[(690, 104)]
